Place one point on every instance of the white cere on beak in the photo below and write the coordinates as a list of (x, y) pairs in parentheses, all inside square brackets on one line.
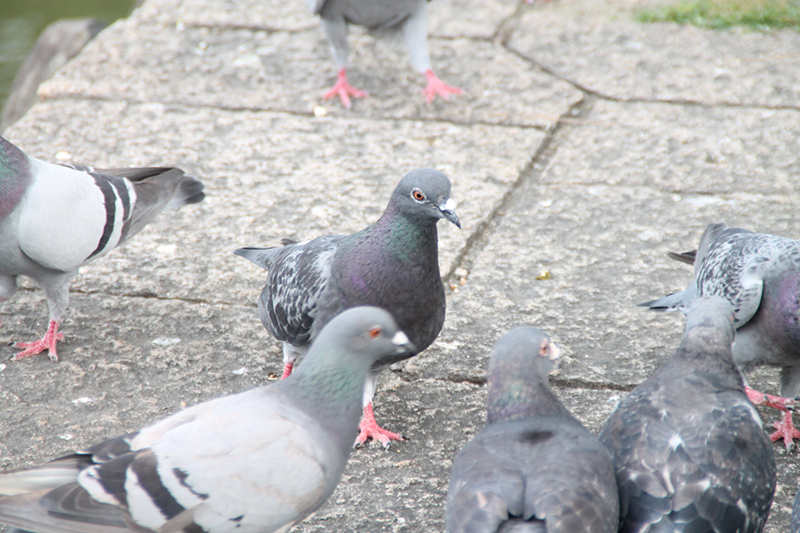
[(449, 205), (400, 339)]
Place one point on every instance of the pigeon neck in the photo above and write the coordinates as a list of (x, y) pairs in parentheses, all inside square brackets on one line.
[(330, 389), (407, 235), (521, 399), (15, 176), (709, 355)]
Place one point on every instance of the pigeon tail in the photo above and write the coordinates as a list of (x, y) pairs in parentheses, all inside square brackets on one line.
[(190, 191)]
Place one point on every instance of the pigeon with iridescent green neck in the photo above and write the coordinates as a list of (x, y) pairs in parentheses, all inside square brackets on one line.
[(392, 264), (258, 461), (534, 468), (689, 450), (54, 219)]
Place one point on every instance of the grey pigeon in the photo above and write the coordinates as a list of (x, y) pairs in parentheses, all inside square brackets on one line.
[(379, 17), (760, 275), (689, 450), (258, 461), (795, 525), (54, 219), (534, 467), (392, 264)]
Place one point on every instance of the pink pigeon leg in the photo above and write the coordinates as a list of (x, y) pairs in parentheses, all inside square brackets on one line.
[(344, 90), (369, 428), (287, 369), (36, 347), (785, 426), (436, 86)]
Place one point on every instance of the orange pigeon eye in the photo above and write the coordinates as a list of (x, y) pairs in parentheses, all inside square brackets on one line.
[(418, 195), (375, 333)]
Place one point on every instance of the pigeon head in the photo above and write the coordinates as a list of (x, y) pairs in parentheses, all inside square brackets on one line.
[(364, 335), (425, 194), (518, 370), (709, 325)]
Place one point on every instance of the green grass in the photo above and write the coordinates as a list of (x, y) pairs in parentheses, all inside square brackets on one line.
[(717, 14)]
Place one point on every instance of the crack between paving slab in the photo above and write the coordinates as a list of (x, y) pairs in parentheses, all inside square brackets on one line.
[(667, 101), (302, 114), (531, 172), (564, 383), (147, 295)]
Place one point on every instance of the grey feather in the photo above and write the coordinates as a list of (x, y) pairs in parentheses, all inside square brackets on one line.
[(689, 449), (257, 461), (534, 467), (760, 275), (54, 219)]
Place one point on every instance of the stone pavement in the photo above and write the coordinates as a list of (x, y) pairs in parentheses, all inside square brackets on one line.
[(586, 145)]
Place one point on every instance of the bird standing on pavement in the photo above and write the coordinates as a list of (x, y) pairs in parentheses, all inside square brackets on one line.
[(54, 219), (689, 450), (379, 16), (534, 467), (254, 462), (392, 264), (760, 275)]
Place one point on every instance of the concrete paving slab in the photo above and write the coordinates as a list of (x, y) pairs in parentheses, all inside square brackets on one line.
[(245, 69), (683, 149), (626, 60), (476, 19)]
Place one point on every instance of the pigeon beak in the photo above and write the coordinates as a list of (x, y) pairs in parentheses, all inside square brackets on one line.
[(403, 344), (448, 210)]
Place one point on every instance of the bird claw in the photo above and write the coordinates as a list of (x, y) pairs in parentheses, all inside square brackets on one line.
[(785, 430), (368, 428), (48, 342), (344, 90), (436, 86)]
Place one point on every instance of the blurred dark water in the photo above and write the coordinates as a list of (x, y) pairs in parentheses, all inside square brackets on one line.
[(21, 22)]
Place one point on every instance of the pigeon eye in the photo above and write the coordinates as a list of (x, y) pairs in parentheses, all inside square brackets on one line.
[(418, 195), (375, 333)]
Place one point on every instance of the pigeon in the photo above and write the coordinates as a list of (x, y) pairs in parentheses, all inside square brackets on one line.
[(534, 467), (392, 264), (254, 462), (689, 449), (379, 17), (760, 275), (56, 218)]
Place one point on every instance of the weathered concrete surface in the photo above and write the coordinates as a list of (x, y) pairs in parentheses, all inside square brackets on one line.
[(571, 153)]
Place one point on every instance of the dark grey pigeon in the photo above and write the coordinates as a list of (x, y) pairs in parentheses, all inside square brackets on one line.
[(392, 264), (257, 461), (795, 526), (760, 275), (688, 446), (379, 17), (534, 467), (54, 219)]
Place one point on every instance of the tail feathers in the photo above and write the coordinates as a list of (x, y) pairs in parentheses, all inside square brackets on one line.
[(674, 302), (190, 191), (710, 234), (683, 257), (45, 476), (263, 257), (68, 509)]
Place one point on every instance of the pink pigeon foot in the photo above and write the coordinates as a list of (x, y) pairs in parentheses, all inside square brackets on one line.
[(344, 90), (369, 428), (436, 86), (47, 342), (287, 369), (785, 426)]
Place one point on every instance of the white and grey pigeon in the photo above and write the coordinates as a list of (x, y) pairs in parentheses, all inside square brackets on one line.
[(54, 219), (760, 275), (392, 264), (689, 449), (534, 467), (254, 462), (379, 16)]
